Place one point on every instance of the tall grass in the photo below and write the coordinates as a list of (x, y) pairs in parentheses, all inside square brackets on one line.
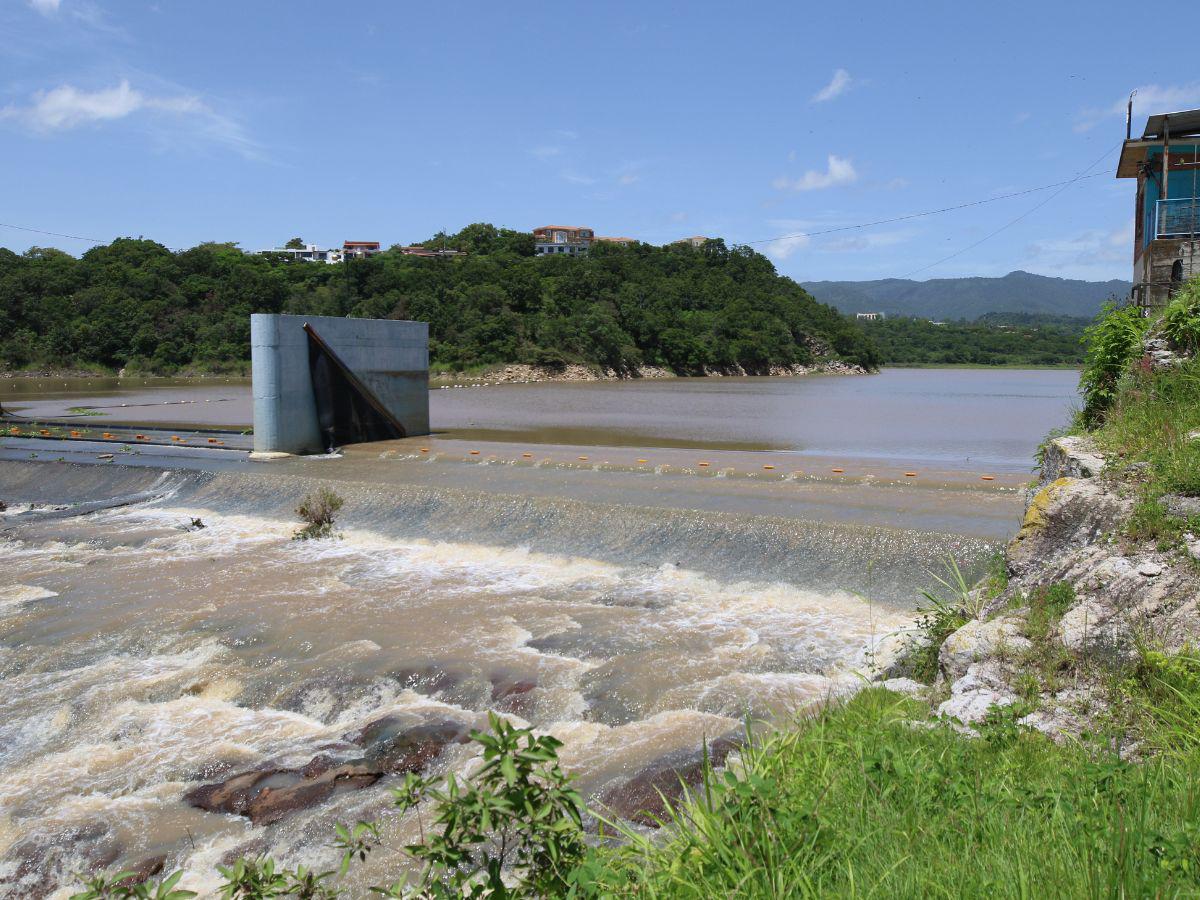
[(859, 803)]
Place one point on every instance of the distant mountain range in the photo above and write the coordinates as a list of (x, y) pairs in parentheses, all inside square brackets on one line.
[(969, 298)]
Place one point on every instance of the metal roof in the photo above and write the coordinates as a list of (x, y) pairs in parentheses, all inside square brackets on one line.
[(1185, 122)]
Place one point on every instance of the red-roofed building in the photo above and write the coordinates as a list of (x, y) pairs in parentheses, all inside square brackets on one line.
[(562, 239)]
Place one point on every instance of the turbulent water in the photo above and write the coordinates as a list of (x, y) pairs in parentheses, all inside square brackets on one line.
[(140, 660)]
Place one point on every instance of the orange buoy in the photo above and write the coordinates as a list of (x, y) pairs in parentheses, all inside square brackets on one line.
[(910, 474), (703, 464), (527, 456), (582, 458), (987, 477), (642, 460), (107, 436), (140, 437), (768, 467), (839, 471), (44, 431), (176, 437), (474, 452), (424, 449), (212, 440)]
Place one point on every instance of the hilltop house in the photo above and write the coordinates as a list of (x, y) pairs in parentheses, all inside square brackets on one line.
[(1165, 160), (307, 253), (562, 239), (869, 316), (360, 249)]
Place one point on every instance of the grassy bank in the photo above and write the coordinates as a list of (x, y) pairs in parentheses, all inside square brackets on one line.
[(859, 802)]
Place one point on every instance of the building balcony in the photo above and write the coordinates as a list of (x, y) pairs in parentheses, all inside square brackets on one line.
[(1178, 218)]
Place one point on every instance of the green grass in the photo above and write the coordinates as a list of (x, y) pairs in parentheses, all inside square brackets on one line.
[(856, 802)]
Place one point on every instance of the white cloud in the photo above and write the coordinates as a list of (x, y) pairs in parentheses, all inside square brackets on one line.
[(838, 85), (1095, 254), (66, 107), (576, 178), (628, 178), (546, 152), (783, 247), (46, 7), (1150, 99), (839, 171)]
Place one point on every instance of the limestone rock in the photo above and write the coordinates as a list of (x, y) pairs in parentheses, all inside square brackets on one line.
[(904, 686), (978, 640), (1071, 456), (980, 689), (1064, 515)]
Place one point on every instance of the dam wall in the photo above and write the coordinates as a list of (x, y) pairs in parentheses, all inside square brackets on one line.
[(387, 358)]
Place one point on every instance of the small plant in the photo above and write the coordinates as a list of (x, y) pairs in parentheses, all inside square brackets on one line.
[(937, 618), (514, 829), (121, 886), (317, 510), (1046, 607)]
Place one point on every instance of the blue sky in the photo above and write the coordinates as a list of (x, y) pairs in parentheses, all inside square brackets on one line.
[(259, 121)]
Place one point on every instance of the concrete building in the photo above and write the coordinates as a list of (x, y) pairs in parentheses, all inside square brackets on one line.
[(696, 241), (360, 249), (868, 316), (1165, 160), (620, 241), (307, 253), (562, 239), (418, 250), (324, 381)]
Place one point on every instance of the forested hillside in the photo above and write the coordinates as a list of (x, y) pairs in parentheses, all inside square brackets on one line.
[(970, 298), (997, 339), (138, 305)]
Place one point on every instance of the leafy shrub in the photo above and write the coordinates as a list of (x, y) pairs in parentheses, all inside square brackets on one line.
[(317, 510), (938, 617), (1113, 342), (1181, 318)]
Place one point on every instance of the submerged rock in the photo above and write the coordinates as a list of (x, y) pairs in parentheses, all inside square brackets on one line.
[(45, 862)]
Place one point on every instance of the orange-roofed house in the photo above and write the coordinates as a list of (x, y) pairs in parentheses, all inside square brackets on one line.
[(562, 240)]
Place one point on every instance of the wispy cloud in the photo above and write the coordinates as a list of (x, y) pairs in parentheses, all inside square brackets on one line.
[(838, 85), (838, 171), (546, 151), (67, 107), (1150, 99), (785, 246), (574, 177), (1095, 254), (46, 7)]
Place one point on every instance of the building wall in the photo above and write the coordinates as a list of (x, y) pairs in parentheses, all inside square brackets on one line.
[(390, 357), (1155, 273)]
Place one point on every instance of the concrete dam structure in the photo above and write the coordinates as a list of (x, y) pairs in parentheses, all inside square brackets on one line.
[(324, 381)]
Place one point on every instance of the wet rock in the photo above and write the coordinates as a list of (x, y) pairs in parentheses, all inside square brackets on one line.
[(43, 861), (395, 745), (147, 868), (643, 798), (513, 694), (265, 796), (978, 640)]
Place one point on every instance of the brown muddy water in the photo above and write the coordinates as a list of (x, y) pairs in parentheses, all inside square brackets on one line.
[(632, 614)]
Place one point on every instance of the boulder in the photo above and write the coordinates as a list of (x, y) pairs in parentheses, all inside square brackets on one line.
[(1065, 515), (267, 795), (395, 745), (980, 689), (1071, 456), (978, 640)]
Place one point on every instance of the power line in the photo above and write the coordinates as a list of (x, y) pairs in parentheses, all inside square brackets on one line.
[(1066, 184), (73, 237), (930, 212)]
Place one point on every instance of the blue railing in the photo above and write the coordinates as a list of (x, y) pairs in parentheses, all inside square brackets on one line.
[(1177, 218)]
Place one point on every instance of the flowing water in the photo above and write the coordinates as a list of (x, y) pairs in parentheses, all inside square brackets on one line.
[(140, 659)]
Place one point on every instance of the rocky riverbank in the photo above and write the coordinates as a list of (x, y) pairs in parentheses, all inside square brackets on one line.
[(1103, 575), (519, 373)]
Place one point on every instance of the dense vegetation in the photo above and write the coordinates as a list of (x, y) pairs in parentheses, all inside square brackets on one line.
[(135, 304), (998, 339)]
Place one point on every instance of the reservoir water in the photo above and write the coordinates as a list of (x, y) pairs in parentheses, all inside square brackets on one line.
[(633, 611)]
